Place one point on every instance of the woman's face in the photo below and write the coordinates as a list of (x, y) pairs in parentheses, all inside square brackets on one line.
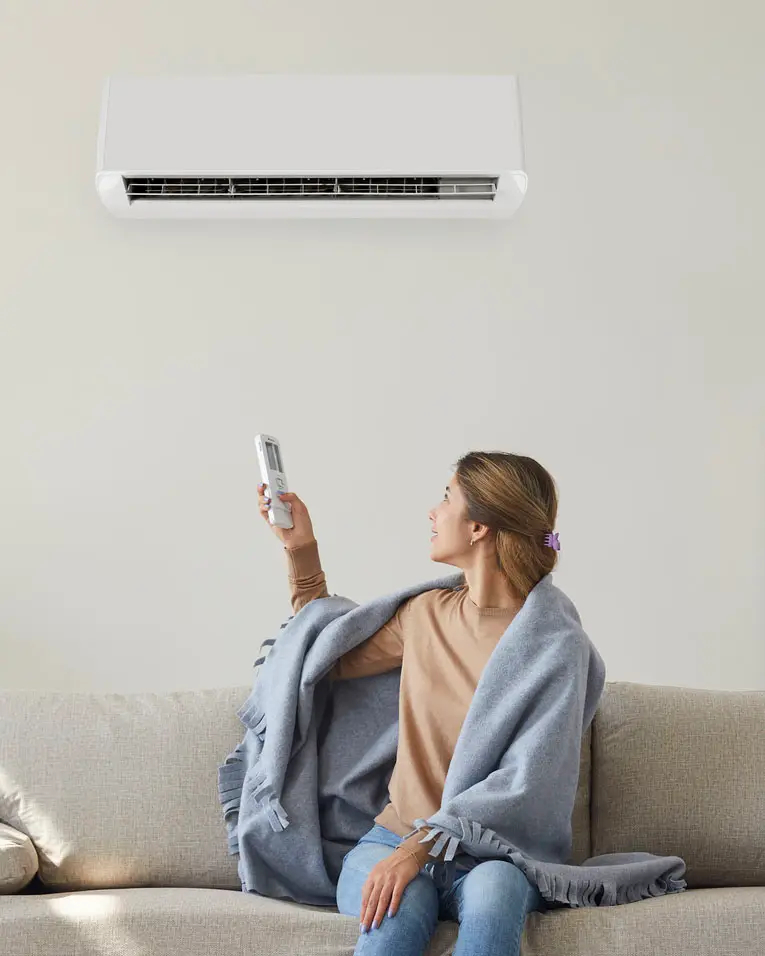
[(451, 538)]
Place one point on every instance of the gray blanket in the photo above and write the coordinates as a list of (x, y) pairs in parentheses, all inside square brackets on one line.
[(313, 768)]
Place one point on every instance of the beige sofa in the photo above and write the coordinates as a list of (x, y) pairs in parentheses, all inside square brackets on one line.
[(113, 841)]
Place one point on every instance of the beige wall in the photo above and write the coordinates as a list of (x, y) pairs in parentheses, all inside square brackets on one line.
[(613, 330)]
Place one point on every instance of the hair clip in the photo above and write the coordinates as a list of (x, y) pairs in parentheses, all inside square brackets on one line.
[(551, 541)]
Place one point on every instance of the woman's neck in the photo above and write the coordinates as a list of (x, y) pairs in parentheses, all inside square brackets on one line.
[(489, 588)]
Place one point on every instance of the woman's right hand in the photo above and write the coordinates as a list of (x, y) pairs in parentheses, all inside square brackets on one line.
[(302, 530)]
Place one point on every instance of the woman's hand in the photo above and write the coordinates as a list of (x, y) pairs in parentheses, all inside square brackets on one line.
[(302, 530), (384, 888)]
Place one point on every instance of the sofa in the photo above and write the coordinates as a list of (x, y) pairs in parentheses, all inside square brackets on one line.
[(112, 839)]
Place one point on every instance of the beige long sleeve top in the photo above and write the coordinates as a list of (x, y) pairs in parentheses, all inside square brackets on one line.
[(441, 640)]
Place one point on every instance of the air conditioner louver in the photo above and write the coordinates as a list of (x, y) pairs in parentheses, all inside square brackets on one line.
[(396, 188)]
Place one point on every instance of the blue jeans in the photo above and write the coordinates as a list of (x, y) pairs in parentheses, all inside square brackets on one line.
[(490, 903)]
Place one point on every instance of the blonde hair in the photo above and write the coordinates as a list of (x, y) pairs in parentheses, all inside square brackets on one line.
[(516, 498)]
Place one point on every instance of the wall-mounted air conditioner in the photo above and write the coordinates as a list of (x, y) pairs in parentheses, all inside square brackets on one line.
[(269, 146)]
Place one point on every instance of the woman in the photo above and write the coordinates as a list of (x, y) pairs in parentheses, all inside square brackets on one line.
[(495, 522)]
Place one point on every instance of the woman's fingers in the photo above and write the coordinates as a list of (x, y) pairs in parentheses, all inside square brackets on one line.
[(290, 498), (376, 900), (395, 900), (384, 888), (264, 501), (366, 892), (369, 899), (383, 901)]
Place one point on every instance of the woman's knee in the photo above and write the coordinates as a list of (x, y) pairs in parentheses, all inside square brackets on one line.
[(357, 866), (411, 929), (496, 884), (420, 897)]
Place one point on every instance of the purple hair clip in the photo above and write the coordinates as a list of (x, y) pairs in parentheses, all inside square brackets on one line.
[(551, 540)]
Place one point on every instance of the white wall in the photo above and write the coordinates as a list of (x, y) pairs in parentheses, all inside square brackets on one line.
[(613, 330)]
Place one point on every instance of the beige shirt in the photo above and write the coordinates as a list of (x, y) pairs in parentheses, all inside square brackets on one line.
[(442, 641)]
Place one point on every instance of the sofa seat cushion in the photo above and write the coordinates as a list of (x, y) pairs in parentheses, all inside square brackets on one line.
[(198, 922), (709, 922), (169, 921)]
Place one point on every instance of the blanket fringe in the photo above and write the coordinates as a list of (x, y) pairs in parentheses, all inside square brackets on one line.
[(231, 777), (262, 792), (579, 891), (276, 815), (442, 872), (444, 838), (571, 890), (252, 714), (230, 781)]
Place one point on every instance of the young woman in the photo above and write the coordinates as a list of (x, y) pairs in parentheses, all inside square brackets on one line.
[(495, 522)]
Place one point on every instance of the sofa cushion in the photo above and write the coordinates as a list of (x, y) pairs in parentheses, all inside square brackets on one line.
[(198, 922), (680, 771), (18, 859), (169, 921), (120, 790)]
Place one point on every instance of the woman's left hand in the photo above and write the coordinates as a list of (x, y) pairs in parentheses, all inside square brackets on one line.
[(384, 888)]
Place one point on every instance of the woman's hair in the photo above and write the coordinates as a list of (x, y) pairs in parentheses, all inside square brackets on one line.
[(516, 498)]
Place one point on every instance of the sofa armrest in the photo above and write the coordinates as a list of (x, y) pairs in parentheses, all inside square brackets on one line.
[(18, 860)]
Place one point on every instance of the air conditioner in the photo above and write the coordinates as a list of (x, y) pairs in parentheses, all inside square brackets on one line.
[(271, 146)]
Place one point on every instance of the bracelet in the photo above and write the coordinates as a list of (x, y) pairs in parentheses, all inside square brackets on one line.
[(411, 853)]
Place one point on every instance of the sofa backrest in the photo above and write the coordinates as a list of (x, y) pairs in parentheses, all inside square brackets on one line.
[(580, 818), (680, 772), (120, 790)]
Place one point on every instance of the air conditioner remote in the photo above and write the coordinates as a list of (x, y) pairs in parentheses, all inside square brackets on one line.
[(272, 475)]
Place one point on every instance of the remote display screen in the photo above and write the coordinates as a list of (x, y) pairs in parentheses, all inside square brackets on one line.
[(273, 457)]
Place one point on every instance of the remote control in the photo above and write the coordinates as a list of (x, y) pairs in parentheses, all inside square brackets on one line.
[(274, 478)]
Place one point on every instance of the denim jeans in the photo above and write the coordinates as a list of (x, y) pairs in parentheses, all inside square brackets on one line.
[(490, 903)]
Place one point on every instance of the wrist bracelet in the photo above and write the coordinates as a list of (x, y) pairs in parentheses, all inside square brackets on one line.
[(411, 853)]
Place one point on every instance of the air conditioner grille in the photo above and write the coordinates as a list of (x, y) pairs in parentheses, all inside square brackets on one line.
[(311, 188)]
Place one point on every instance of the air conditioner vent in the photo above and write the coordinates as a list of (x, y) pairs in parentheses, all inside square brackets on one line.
[(318, 188)]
